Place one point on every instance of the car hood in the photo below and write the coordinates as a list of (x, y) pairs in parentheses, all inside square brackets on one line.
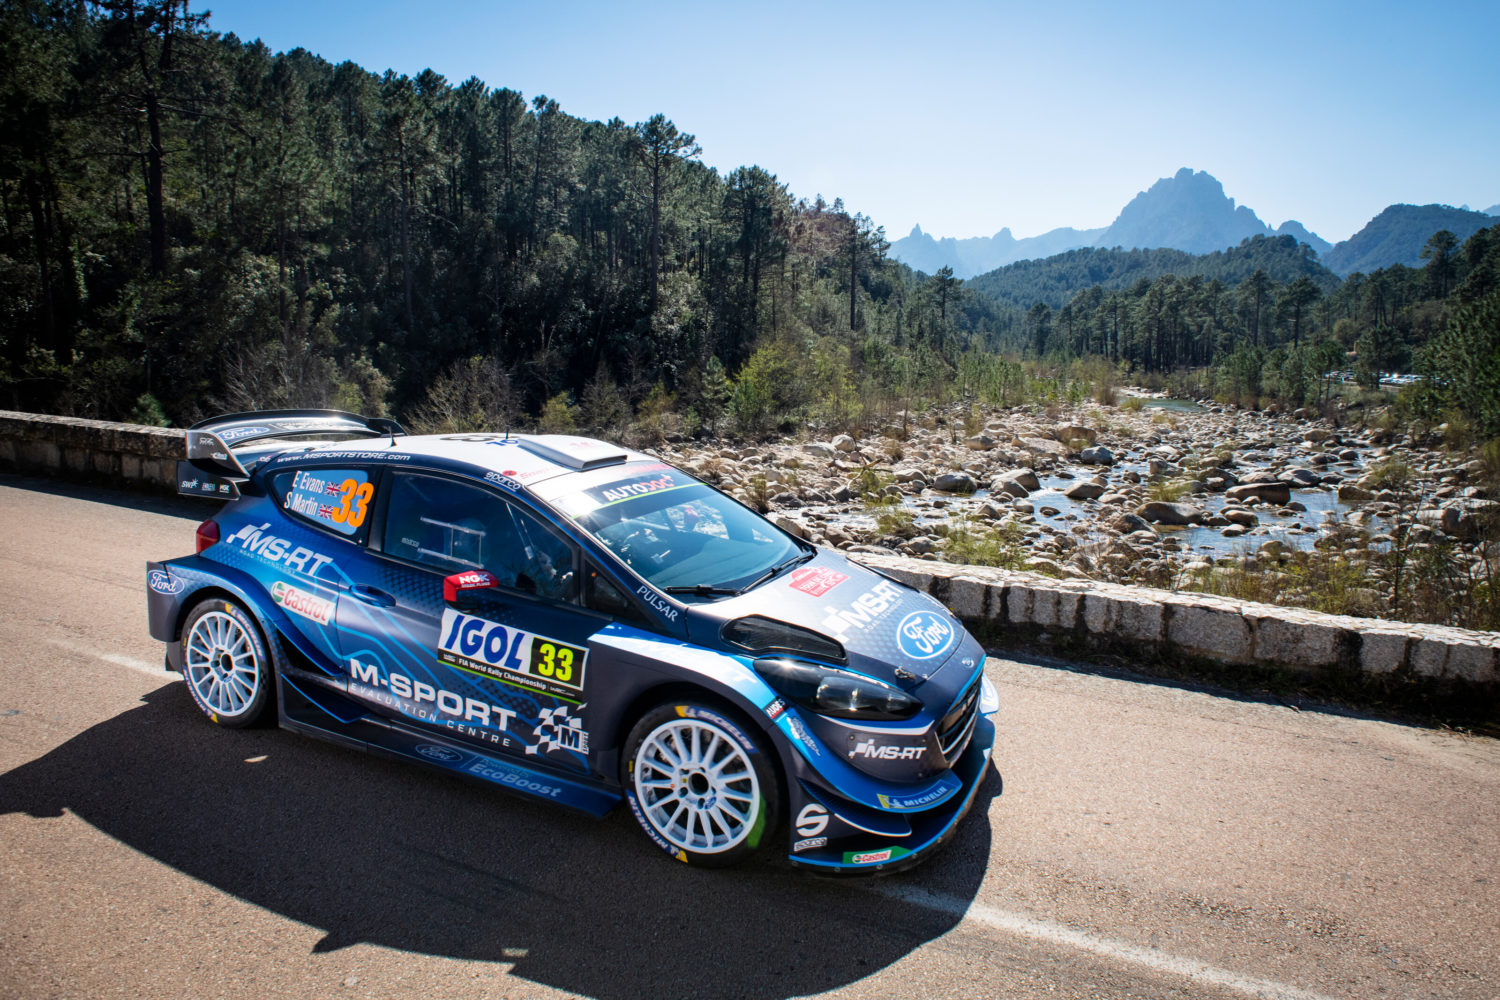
[(889, 630)]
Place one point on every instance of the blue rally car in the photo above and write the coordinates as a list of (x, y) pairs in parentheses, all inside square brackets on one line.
[(574, 622)]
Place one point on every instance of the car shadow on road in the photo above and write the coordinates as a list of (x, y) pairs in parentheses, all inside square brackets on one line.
[(368, 850)]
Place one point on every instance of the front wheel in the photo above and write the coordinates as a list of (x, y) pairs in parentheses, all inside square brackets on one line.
[(700, 785), (225, 664)]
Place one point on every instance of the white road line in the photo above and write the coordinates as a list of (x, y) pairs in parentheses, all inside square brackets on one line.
[(128, 662), (1020, 925)]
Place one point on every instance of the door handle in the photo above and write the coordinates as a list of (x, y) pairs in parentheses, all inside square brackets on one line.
[(371, 595)]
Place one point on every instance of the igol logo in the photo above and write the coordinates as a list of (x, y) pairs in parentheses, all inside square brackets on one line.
[(439, 753), (923, 635)]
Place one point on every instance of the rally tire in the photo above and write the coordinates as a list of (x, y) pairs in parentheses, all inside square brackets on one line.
[(700, 784), (226, 665)]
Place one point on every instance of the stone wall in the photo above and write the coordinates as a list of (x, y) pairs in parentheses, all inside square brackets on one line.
[(125, 454), (1192, 631), (1187, 629)]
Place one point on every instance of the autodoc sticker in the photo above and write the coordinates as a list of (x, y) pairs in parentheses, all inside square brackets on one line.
[(511, 655), (644, 481), (923, 635), (816, 580), (301, 602), (337, 498)]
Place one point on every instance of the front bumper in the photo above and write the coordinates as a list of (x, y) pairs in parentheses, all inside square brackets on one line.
[(859, 841)]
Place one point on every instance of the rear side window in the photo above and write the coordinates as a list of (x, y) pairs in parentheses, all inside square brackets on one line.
[(449, 527), (337, 499)]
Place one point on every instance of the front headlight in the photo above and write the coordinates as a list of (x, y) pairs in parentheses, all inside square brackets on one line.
[(841, 694)]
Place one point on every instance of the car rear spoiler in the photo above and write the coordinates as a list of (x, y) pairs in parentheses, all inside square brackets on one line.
[(222, 450)]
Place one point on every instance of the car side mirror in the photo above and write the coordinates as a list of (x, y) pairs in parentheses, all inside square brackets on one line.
[(459, 584)]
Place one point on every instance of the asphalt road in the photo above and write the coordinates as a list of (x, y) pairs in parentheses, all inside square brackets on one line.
[(1137, 840)]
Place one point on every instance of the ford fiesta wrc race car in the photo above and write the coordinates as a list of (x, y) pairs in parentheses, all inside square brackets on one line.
[(574, 622)]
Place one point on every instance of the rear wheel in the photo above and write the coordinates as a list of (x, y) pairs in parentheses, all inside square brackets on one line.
[(225, 664), (700, 784)]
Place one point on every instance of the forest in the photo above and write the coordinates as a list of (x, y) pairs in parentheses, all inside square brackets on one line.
[(193, 224)]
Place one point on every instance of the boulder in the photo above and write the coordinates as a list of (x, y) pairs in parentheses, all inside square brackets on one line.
[(1162, 512), (909, 475), (1084, 490), (980, 442), (954, 482), (1074, 432), (844, 443), (820, 448), (1269, 492), (1241, 517), (1128, 524), (1350, 493), (1024, 478), (1302, 477), (1044, 446), (1097, 455)]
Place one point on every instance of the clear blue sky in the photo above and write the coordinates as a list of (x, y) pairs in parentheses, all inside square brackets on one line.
[(966, 117)]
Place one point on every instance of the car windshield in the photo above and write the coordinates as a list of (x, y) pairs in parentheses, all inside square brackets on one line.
[(679, 534)]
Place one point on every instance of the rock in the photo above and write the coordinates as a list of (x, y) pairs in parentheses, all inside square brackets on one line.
[(1446, 518), (980, 442), (820, 448), (1241, 517), (1234, 531), (1084, 490), (1113, 498), (909, 475), (844, 443), (1044, 446), (1130, 523), (1161, 512), (1269, 492), (1048, 512), (1023, 507), (1316, 434), (1024, 478), (954, 482), (1074, 432), (1097, 455), (1302, 477), (1349, 493), (790, 525)]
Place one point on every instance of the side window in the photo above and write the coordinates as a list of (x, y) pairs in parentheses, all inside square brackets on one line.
[(337, 499), (600, 594), (449, 527)]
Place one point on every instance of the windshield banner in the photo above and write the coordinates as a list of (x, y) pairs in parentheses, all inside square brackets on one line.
[(647, 480)]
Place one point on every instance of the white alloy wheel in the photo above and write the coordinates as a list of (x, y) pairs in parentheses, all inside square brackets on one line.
[(225, 664), (696, 786)]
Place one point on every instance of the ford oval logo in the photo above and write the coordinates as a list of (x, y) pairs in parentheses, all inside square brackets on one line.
[(439, 753), (923, 635), (164, 584)]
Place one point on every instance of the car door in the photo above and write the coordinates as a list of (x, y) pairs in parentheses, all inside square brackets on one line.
[(328, 516), (469, 623)]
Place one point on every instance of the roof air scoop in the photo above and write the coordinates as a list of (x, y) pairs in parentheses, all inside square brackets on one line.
[(577, 453)]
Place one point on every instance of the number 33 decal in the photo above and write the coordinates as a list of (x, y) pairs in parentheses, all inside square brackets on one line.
[(354, 503)]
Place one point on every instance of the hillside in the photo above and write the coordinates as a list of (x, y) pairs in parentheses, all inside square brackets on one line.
[(1398, 234), (1057, 279)]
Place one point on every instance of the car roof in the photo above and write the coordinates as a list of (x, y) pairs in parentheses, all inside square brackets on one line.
[(524, 460)]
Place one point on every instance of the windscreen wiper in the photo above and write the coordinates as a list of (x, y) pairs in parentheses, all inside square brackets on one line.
[(785, 563), (702, 590)]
